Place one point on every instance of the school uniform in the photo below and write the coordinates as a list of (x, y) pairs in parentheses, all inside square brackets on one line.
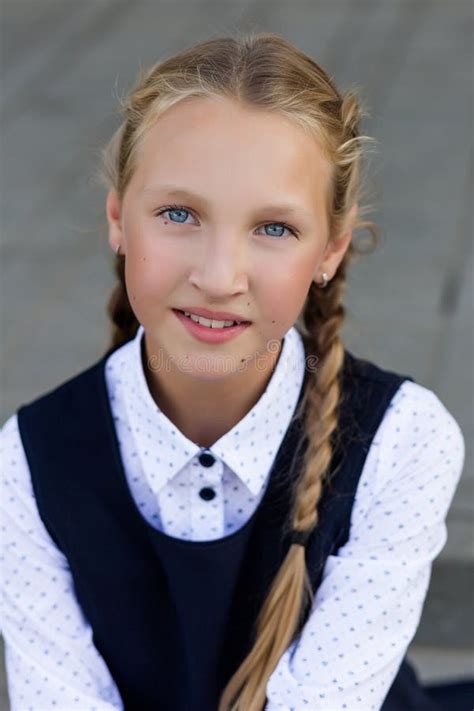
[(136, 561)]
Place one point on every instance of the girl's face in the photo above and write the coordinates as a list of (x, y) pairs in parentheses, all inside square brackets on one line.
[(225, 211)]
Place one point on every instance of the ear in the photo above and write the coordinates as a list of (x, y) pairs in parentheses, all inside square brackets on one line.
[(337, 247), (114, 219)]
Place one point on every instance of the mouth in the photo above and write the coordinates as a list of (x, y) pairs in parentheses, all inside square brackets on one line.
[(209, 331), (211, 323)]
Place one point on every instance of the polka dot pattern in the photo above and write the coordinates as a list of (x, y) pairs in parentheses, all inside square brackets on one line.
[(368, 606)]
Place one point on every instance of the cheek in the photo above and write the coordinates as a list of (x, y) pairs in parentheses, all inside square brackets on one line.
[(153, 262), (284, 291), (150, 275)]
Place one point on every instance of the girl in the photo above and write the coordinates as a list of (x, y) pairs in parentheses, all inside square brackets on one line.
[(229, 510)]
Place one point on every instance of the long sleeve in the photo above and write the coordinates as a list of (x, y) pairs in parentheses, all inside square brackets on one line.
[(367, 609), (51, 661)]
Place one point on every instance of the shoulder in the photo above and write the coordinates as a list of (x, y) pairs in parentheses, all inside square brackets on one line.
[(418, 444), (416, 417), (417, 453)]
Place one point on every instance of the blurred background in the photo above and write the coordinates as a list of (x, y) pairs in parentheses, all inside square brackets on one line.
[(409, 304)]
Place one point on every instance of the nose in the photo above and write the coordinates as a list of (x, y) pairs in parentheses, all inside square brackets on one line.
[(219, 269)]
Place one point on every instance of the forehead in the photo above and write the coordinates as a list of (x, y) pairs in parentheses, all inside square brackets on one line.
[(225, 149)]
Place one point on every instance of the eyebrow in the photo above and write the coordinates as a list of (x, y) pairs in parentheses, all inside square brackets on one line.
[(181, 193)]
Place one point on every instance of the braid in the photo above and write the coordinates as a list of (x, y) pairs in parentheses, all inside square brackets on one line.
[(323, 397)]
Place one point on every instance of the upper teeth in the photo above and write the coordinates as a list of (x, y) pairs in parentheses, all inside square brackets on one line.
[(211, 323)]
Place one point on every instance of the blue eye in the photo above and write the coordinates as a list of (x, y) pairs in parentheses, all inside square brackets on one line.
[(173, 208), (182, 219), (281, 225)]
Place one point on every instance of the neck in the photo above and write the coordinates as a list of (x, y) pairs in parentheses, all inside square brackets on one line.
[(204, 410)]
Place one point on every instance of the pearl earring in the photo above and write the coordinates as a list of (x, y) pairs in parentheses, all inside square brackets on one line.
[(325, 281)]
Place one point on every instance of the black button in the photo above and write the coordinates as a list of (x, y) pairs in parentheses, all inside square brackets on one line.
[(206, 459), (207, 493)]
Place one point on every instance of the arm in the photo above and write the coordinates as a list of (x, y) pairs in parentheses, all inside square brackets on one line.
[(369, 604), (51, 661)]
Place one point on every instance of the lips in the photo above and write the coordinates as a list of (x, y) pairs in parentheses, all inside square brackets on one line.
[(209, 335)]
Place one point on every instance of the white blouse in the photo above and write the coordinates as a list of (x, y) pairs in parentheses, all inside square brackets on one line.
[(368, 605)]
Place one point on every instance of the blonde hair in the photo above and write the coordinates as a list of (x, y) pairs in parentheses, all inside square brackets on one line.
[(264, 70)]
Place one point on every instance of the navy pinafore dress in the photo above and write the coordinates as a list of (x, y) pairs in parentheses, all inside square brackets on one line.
[(173, 618)]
